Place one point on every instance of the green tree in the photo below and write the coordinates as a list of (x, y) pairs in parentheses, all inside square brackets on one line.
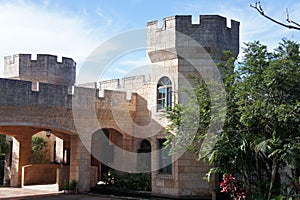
[(260, 137), (4, 147), (38, 150)]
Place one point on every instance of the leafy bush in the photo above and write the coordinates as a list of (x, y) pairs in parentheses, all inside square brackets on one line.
[(70, 185), (231, 186), (129, 181)]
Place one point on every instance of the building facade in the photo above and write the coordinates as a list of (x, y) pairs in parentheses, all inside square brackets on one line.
[(116, 123)]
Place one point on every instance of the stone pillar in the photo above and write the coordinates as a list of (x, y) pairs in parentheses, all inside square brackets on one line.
[(128, 160), (14, 163), (80, 163), (59, 153), (21, 156)]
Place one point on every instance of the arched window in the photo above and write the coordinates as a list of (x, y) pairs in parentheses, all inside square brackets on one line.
[(145, 146), (164, 93)]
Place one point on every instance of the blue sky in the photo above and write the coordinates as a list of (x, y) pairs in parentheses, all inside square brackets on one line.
[(75, 28)]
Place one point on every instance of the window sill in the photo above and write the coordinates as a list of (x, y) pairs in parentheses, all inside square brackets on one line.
[(161, 111), (165, 176)]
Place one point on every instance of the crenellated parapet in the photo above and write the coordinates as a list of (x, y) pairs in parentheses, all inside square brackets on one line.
[(178, 32), (126, 83), (44, 69), (20, 93)]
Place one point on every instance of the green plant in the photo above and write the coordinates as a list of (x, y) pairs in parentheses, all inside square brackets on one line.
[(70, 185), (66, 185), (260, 138), (38, 150), (73, 185), (129, 181), (231, 186), (4, 147)]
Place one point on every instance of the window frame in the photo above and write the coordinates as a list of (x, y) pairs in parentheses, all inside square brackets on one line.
[(164, 158), (164, 93)]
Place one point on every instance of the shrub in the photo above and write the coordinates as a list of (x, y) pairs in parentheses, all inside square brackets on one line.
[(70, 185), (232, 187), (129, 181)]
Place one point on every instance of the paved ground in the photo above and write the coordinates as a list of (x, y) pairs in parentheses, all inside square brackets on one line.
[(43, 194), (76, 197), (21, 193)]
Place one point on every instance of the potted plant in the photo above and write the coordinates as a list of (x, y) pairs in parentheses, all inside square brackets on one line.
[(70, 187)]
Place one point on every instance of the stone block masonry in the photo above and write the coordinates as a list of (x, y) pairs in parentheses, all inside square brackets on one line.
[(36, 96), (45, 69), (212, 34)]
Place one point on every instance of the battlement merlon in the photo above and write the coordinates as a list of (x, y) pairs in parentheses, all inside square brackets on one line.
[(17, 58), (212, 33), (174, 22)]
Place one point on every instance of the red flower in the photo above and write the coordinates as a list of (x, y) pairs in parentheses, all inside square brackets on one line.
[(230, 185)]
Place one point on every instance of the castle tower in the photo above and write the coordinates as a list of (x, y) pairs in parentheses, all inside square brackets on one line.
[(180, 48), (45, 69), (165, 43), (177, 50)]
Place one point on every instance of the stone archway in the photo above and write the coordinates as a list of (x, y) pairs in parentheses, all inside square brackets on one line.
[(22, 171), (104, 142)]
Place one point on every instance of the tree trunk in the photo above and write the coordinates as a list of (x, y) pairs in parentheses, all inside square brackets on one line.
[(273, 176)]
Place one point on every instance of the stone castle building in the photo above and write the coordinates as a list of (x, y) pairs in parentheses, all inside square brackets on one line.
[(117, 123)]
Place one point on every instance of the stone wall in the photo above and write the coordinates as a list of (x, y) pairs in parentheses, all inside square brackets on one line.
[(39, 174), (177, 50), (62, 175), (20, 93), (127, 106), (127, 83), (212, 34)]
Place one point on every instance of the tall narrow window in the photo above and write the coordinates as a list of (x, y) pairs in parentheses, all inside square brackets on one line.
[(164, 159), (164, 93)]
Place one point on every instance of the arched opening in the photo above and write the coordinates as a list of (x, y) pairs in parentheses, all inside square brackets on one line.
[(144, 156), (145, 147), (103, 151), (35, 156), (48, 148), (164, 93), (5, 158)]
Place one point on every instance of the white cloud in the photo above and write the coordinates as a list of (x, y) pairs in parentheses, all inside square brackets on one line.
[(99, 12), (28, 28)]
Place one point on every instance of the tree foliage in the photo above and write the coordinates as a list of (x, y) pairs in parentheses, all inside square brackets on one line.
[(4, 146), (260, 140), (38, 150)]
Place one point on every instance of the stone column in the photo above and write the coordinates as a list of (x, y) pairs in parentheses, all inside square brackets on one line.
[(14, 163), (21, 156), (80, 163)]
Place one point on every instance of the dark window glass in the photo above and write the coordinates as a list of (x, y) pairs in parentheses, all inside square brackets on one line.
[(164, 159)]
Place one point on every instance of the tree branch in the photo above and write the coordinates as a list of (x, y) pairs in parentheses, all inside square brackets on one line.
[(260, 10), (289, 20)]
